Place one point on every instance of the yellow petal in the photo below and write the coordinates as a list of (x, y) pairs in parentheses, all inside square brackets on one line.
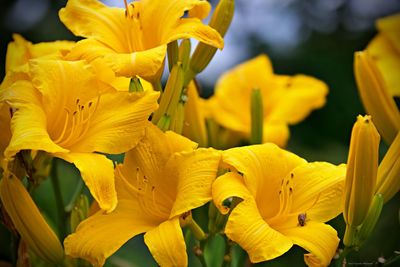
[(118, 123), (167, 245), (226, 186), (20, 51), (144, 171), (99, 236), (28, 221), (28, 133), (17, 52), (300, 95), (319, 239), (63, 83), (141, 63), (390, 27), (90, 18), (200, 9), (246, 227), (5, 133), (155, 149), (169, 16), (107, 75), (196, 171), (263, 167), (98, 173), (144, 63), (233, 91), (318, 190), (387, 57), (192, 27), (276, 132)]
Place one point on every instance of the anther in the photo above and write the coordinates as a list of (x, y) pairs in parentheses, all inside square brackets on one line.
[(127, 13)]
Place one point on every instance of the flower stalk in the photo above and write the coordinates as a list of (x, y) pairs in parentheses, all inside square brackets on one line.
[(62, 216)]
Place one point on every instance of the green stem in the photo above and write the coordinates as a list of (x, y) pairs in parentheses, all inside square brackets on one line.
[(343, 255), (228, 255), (157, 86), (392, 260), (201, 258), (196, 230), (76, 194), (62, 218), (199, 252)]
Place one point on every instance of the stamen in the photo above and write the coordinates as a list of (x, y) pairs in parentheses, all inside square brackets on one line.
[(127, 13), (64, 128), (77, 124)]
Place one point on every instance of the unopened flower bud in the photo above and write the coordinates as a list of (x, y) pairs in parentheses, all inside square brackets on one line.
[(220, 21), (28, 221), (361, 175), (135, 85), (389, 171), (184, 53), (172, 94), (375, 96)]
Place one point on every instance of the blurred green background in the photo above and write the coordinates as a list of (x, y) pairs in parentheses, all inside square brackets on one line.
[(314, 37)]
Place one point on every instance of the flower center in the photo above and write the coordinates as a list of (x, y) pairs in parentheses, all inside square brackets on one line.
[(76, 123), (151, 199), (134, 34)]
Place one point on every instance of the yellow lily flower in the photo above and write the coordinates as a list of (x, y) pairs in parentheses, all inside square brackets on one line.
[(20, 51), (161, 180), (76, 115), (286, 99), (133, 41), (285, 202), (28, 220), (385, 51)]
